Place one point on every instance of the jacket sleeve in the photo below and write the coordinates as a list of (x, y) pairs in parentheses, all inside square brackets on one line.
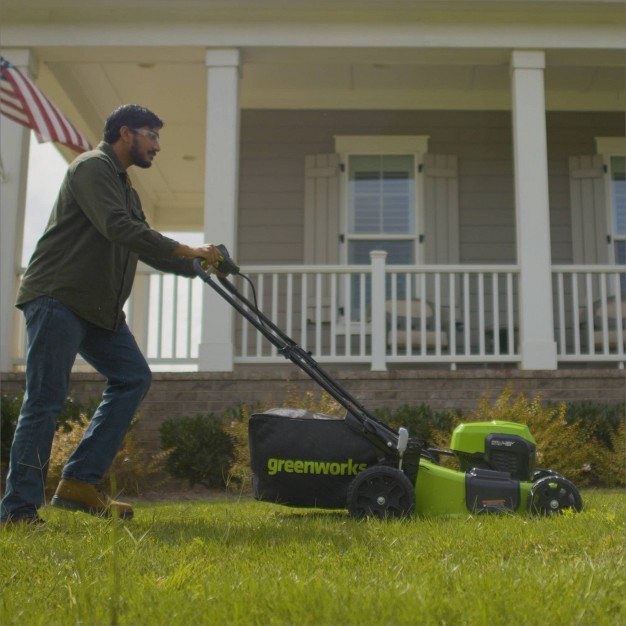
[(175, 265), (113, 207)]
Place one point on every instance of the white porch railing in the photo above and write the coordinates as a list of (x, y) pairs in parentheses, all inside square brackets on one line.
[(590, 312), (387, 314), (384, 314)]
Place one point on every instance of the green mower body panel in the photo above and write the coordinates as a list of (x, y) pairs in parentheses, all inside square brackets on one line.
[(496, 464), (441, 491), (470, 438)]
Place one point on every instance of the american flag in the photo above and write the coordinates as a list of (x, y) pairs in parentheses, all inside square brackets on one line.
[(22, 101)]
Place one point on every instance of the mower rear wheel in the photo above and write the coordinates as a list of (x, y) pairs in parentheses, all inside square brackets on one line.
[(381, 491), (553, 494)]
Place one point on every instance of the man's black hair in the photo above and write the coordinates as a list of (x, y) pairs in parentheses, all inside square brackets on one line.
[(131, 115)]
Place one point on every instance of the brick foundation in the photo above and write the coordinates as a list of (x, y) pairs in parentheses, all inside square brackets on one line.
[(183, 394)]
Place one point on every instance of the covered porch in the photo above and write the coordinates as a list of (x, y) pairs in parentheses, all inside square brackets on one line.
[(503, 128)]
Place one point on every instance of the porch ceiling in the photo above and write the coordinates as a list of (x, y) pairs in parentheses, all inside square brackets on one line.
[(90, 64)]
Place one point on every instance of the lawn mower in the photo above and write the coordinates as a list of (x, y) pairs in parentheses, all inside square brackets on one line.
[(304, 459)]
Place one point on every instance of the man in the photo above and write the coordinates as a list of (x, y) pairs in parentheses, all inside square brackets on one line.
[(72, 294)]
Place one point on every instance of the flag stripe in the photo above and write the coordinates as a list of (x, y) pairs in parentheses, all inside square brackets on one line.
[(49, 123), (11, 104), (34, 115), (70, 130), (16, 118), (23, 102)]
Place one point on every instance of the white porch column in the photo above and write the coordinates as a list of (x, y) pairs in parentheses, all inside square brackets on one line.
[(14, 146), (530, 155), (221, 182)]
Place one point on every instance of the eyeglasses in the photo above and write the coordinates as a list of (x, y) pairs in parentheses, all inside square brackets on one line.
[(147, 133)]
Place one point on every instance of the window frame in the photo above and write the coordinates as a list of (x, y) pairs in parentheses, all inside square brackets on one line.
[(380, 145), (358, 145), (609, 147)]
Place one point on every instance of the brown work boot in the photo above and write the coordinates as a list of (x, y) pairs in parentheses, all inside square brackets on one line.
[(77, 496)]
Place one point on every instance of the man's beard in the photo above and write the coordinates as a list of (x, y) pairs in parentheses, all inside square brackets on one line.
[(138, 159)]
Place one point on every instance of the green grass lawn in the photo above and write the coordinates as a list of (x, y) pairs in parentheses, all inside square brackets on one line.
[(244, 562)]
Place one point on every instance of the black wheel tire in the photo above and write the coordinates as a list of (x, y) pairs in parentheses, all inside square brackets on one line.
[(381, 491), (552, 495), (541, 472)]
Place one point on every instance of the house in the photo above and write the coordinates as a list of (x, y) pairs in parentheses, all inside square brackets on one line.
[(407, 183)]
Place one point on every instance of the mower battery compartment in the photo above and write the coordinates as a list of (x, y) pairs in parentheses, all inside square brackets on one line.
[(489, 491), (512, 454)]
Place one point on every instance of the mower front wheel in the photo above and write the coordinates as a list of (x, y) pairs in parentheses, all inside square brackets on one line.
[(541, 472), (381, 491), (553, 494)]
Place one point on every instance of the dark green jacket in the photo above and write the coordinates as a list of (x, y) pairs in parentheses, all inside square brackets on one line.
[(87, 257)]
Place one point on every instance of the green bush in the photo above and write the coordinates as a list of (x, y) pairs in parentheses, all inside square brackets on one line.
[(73, 412), (239, 477), (421, 421), (198, 449), (601, 418), (9, 412), (569, 446), (133, 468), (583, 440)]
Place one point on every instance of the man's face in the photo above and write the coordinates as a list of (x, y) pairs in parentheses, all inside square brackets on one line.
[(144, 147)]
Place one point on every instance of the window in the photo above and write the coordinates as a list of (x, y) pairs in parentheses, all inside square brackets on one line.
[(381, 201), (617, 178), (613, 151), (381, 207)]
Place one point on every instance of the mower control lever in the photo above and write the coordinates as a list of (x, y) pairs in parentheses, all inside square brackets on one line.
[(226, 265), (403, 440)]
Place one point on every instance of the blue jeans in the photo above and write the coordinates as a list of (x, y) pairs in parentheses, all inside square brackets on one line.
[(55, 336)]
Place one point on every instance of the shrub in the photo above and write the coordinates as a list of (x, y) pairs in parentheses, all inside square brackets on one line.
[(569, 447), (602, 418), (421, 421), (585, 441), (198, 449), (129, 471), (9, 412), (130, 467), (320, 402), (239, 473), (71, 413)]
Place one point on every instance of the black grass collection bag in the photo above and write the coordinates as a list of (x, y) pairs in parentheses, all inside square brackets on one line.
[(305, 459)]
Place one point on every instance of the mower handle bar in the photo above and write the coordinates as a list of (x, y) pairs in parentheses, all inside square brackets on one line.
[(358, 418)]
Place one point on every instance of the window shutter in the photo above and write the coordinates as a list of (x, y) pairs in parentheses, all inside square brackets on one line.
[(589, 223), (441, 209), (321, 209)]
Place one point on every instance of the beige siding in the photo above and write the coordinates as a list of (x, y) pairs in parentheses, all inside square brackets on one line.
[(571, 134), (274, 145)]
